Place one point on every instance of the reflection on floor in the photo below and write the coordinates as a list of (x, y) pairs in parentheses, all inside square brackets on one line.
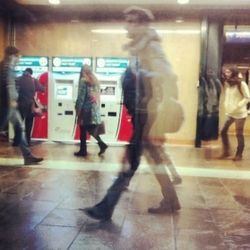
[(39, 205)]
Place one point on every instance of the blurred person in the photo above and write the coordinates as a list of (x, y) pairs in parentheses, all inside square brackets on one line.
[(236, 98), (88, 110), (9, 105), (155, 81), (27, 87)]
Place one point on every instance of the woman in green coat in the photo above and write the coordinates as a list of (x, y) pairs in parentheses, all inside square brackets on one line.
[(88, 110)]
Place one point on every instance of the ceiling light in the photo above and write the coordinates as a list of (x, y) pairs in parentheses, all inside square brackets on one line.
[(54, 1), (179, 20), (109, 31), (182, 1), (75, 20)]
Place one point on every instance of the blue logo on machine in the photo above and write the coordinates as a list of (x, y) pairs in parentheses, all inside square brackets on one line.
[(111, 65), (39, 65), (68, 65)]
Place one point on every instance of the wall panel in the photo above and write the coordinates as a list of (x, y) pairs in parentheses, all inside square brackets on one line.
[(2, 37), (181, 43)]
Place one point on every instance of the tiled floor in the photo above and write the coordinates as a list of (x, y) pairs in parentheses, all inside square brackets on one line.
[(39, 205)]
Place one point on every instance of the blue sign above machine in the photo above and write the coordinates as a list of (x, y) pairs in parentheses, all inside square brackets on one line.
[(39, 64), (69, 64), (111, 65)]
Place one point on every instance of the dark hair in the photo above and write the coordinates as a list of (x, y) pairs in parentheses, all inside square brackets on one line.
[(29, 70), (11, 50), (235, 71), (234, 79)]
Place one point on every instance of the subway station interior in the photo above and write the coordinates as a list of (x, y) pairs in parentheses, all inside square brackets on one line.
[(41, 205)]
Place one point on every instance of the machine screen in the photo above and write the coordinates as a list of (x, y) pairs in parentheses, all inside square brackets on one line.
[(64, 91)]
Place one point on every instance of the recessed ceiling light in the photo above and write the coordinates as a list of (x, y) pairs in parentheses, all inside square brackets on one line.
[(54, 1), (179, 20), (182, 1)]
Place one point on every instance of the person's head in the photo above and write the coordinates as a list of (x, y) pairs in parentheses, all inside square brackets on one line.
[(86, 72), (87, 69), (137, 19), (13, 53), (231, 74), (28, 71)]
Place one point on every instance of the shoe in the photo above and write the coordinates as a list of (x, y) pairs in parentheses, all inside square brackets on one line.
[(224, 156), (32, 160), (165, 208), (237, 158), (80, 154), (177, 180), (97, 213), (15, 144), (103, 148)]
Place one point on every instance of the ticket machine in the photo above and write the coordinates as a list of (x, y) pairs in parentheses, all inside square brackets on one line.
[(109, 71), (40, 67), (64, 88)]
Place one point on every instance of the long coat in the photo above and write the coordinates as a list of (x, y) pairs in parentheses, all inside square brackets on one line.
[(88, 103)]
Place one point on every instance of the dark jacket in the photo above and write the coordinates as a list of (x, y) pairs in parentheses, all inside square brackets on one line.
[(133, 92), (27, 87)]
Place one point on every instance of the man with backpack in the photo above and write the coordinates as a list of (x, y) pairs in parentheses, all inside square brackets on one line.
[(152, 75), (8, 98)]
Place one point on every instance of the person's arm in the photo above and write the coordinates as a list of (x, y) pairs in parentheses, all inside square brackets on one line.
[(38, 86), (81, 96), (11, 86), (245, 94)]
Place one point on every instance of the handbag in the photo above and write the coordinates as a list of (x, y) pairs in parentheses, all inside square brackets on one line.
[(168, 119), (174, 115), (37, 108), (99, 129)]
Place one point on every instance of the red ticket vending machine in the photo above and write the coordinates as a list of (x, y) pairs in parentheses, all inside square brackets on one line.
[(64, 89), (40, 67)]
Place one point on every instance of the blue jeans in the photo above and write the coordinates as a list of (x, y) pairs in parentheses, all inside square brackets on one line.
[(14, 117)]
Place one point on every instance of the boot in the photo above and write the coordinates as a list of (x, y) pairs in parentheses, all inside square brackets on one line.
[(98, 212), (104, 209), (237, 158), (103, 146), (224, 155), (81, 153), (238, 155), (32, 160), (166, 207)]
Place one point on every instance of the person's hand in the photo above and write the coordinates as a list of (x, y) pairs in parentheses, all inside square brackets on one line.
[(93, 99), (13, 104)]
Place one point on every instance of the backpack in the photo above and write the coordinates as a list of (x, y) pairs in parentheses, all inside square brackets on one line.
[(174, 114), (171, 109), (240, 90)]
